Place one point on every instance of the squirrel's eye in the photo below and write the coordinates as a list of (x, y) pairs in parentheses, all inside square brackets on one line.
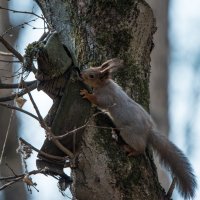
[(91, 75)]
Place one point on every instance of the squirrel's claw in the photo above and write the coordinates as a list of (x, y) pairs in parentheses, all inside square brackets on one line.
[(84, 93)]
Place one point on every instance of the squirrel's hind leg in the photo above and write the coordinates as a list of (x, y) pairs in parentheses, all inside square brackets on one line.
[(135, 143), (130, 151)]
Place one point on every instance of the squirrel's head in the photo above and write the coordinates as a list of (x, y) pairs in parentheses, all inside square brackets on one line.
[(97, 76)]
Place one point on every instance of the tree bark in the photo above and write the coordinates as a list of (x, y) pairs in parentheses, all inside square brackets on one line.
[(94, 31)]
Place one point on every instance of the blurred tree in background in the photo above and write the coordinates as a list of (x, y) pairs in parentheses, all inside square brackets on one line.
[(10, 156), (159, 79)]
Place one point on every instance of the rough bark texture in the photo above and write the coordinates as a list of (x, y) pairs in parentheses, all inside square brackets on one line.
[(94, 31)]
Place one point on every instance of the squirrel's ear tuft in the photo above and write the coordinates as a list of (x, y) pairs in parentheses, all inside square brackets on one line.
[(104, 75), (111, 65)]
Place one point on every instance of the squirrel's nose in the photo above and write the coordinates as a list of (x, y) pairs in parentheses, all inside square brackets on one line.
[(81, 75)]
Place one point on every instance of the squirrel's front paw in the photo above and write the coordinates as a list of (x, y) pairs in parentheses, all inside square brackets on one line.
[(84, 93), (88, 96)]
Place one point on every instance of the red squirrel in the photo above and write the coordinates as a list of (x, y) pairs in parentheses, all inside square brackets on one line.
[(136, 127)]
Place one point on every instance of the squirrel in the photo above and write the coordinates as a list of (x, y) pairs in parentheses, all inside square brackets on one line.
[(136, 126)]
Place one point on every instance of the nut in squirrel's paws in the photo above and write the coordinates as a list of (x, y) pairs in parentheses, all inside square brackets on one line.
[(84, 93)]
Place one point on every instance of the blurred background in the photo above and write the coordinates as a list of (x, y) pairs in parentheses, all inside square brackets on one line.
[(174, 89)]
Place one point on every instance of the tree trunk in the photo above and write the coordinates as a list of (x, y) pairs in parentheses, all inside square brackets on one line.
[(94, 31)]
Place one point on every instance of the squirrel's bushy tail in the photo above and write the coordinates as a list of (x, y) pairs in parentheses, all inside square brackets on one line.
[(174, 160)]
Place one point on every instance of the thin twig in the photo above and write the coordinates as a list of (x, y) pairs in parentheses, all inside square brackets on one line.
[(11, 49), (33, 27), (14, 72), (48, 129), (104, 127), (10, 177), (81, 127), (42, 152), (19, 94), (171, 188), (6, 54), (86, 125), (10, 61), (19, 109), (16, 178), (21, 175), (15, 85), (10, 169), (69, 132), (7, 132), (20, 25), (22, 12), (10, 183), (42, 122), (26, 12), (61, 147), (7, 77)]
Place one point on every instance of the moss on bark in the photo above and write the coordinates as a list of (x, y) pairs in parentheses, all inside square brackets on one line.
[(95, 31)]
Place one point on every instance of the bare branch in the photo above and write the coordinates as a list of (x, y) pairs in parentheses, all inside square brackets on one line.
[(86, 125), (42, 152), (15, 85), (72, 131), (81, 127), (14, 51), (10, 183), (48, 129), (10, 61), (34, 172), (15, 75), (41, 120), (171, 188), (11, 49), (16, 178), (19, 109), (27, 12), (22, 12), (44, 35), (20, 25), (60, 146), (10, 177), (5, 54), (19, 94), (10, 169), (33, 27), (6, 136)]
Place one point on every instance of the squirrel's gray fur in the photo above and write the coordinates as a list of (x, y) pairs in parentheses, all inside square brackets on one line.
[(135, 124)]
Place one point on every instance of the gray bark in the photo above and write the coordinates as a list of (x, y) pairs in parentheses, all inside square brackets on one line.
[(94, 31)]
